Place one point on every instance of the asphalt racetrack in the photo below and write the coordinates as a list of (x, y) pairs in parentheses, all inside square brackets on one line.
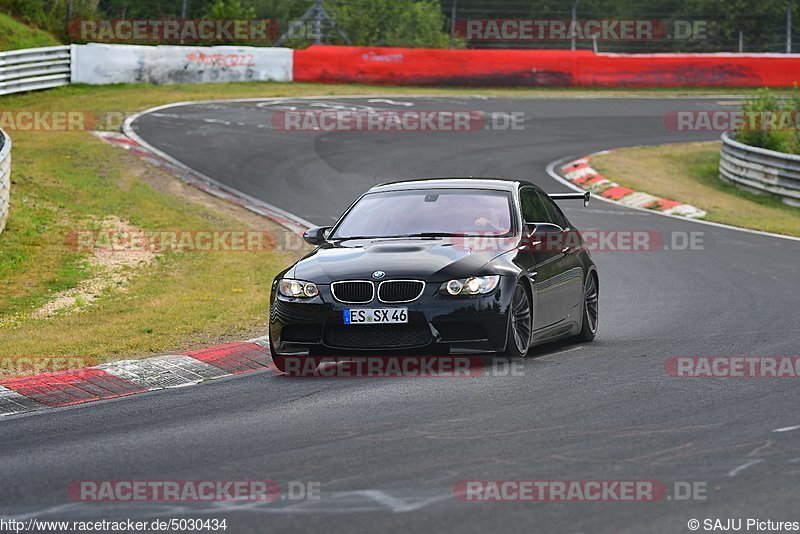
[(389, 452)]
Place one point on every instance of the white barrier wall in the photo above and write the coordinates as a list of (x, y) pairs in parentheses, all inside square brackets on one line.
[(99, 64), (5, 177)]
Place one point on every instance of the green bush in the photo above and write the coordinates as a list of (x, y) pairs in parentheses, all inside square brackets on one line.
[(15, 35), (758, 109), (50, 16), (230, 10), (413, 23)]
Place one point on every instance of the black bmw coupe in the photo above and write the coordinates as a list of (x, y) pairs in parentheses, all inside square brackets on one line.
[(435, 266)]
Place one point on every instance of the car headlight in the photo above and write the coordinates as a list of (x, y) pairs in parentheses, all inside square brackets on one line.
[(297, 289), (475, 285)]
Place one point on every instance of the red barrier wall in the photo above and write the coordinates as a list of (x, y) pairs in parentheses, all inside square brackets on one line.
[(688, 70), (544, 68), (419, 66)]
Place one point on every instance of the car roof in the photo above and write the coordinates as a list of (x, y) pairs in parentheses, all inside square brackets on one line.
[(498, 184)]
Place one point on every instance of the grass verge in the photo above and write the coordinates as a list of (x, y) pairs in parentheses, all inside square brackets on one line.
[(689, 172), (69, 181), (15, 35)]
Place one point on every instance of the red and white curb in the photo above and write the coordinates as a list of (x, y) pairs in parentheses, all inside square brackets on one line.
[(579, 172), (130, 377)]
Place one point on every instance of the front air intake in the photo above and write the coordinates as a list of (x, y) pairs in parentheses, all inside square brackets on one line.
[(396, 291), (353, 292)]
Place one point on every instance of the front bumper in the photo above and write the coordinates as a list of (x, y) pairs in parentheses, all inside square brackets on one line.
[(436, 322)]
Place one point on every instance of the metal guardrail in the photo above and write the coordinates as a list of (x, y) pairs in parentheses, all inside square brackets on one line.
[(34, 68), (5, 177), (761, 170)]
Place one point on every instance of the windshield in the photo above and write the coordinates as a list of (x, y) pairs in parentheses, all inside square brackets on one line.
[(428, 212)]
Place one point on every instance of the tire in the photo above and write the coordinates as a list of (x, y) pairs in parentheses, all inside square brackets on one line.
[(520, 323), (591, 303)]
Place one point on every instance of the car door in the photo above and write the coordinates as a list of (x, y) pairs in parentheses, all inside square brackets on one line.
[(570, 291), (545, 265)]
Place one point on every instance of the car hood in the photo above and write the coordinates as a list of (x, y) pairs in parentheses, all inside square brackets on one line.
[(426, 259)]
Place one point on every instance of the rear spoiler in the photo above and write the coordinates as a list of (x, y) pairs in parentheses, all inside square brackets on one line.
[(572, 196)]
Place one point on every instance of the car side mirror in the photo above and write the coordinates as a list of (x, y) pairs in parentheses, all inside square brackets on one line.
[(317, 235), (542, 237)]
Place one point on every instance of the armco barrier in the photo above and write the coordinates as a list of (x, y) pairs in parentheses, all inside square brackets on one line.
[(34, 68), (761, 170), (5, 177), (554, 68), (99, 64)]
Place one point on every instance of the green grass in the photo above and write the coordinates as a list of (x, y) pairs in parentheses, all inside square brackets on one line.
[(689, 172), (15, 35)]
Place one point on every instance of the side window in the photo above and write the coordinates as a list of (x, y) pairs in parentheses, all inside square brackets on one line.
[(554, 213), (533, 209)]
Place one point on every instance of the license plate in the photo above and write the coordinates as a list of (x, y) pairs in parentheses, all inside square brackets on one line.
[(376, 316)]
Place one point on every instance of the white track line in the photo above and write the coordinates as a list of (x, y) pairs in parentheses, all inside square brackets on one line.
[(751, 463), (127, 129), (787, 428), (550, 169)]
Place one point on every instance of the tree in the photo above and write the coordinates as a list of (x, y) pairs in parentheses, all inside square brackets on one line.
[(230, 10), (415, 23)]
